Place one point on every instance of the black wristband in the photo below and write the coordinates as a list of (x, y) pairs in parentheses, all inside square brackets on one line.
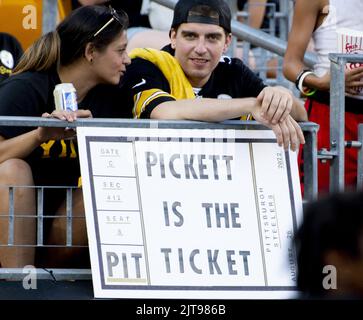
[(299, 76)]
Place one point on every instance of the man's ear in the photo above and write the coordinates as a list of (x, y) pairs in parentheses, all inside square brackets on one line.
[(228, 42), (173, 38), (89, 52)]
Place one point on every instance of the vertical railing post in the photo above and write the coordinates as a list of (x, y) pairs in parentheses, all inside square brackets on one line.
[(49, 15), (360, 159), (337, 122), (40, 216), (69, 216), (11, 216), (310, 165)]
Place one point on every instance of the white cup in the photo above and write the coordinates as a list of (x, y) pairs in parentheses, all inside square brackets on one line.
[(351, 41)]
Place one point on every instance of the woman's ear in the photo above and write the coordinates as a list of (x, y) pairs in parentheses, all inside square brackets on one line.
[(89, 52)]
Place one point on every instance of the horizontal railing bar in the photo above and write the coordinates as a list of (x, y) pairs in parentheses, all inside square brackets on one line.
[(39, 187), (345, 57), (140, 123), (42, 246), (35, 216), (41, 274)]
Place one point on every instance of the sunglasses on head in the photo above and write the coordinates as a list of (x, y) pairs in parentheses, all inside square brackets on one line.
[(114, 17)]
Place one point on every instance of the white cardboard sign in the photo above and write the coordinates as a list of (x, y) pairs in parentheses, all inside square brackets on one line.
[(180, 213)]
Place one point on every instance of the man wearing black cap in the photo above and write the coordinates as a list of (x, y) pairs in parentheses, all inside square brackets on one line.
[(162, 83)]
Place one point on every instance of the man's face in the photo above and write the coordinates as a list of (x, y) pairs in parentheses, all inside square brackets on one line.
[(198, 48)]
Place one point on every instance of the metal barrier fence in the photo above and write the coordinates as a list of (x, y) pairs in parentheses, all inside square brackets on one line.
[(337, 122), (310, 182)]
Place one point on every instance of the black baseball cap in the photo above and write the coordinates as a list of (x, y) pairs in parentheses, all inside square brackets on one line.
[(202, 11)]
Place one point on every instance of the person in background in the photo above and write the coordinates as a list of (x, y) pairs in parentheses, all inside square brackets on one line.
[(141, 31), (259, 11), (87, 49), (10, 53), (320, 20), (132, 8), (190, 80), (329, 246)]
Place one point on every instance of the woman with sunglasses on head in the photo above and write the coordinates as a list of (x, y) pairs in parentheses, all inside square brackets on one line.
[(88, 49)]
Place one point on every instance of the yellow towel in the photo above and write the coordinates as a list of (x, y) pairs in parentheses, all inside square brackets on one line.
[(179, 85)]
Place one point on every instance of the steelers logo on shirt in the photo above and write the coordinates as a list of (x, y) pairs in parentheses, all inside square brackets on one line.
[(6, 58)]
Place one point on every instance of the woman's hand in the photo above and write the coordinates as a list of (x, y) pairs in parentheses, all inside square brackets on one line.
[(58, 133), (354, 80)]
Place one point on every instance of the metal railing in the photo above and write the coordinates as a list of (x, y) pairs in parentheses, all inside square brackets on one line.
[(49, 15), (360, 158), (39, 215), (337, 121), (309, 128), (310, 164)]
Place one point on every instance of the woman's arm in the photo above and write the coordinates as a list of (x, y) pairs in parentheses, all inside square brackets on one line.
[(305, 18), (18, 147), (21, 146), (256, 11)]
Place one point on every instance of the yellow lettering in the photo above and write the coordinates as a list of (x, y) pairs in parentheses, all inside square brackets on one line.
[(73, 150), (46, 148), (4, 70), (64, 149)]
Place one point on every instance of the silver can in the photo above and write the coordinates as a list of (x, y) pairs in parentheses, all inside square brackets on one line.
[(65, 97)]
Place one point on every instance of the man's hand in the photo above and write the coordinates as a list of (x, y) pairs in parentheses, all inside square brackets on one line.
[(276, 104), (288, 132)]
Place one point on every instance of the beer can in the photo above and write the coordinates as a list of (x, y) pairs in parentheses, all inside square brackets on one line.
[(65, 97)]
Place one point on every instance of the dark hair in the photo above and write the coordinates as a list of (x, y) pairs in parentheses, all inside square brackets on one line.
[(332, 223), (68, 42)]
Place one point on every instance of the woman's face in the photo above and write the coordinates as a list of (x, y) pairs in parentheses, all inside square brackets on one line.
[(110, 64)]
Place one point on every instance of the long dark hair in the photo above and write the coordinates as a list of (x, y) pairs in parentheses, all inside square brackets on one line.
[(67, 43)]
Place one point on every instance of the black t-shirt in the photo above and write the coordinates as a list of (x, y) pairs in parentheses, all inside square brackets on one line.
[(31, 94), (230, 79), (10, 53)]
